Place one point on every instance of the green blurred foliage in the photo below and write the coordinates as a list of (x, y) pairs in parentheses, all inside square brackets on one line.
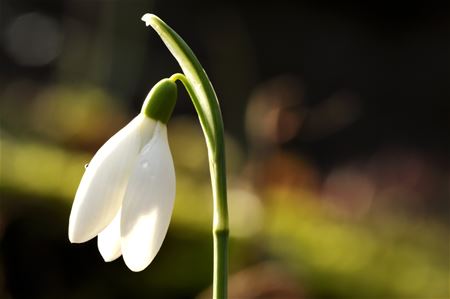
[(386, 255), (397, 258)]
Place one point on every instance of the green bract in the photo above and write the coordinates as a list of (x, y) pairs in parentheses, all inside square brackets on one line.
[(160, 101)]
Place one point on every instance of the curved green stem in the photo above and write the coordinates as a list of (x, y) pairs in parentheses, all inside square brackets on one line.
[(206, 104)]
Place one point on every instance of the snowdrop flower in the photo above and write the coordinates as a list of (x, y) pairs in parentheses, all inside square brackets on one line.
[(127, 192)]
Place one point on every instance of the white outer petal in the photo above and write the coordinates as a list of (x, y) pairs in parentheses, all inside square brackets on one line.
[(103, 185), (108, 240), (148, 202)]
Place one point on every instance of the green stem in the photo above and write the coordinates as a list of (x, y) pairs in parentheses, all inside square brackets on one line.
[(206, 104)]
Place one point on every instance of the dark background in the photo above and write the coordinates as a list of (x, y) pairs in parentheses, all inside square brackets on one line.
[(337, 110)]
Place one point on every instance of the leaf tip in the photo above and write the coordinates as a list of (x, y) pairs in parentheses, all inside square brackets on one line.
[(148, 18)]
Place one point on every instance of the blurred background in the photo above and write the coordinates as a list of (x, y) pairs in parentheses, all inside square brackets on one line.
[(337, 123)]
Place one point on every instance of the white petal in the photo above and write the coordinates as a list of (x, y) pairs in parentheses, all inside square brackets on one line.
[(108, 240), (148, 202), (103, 185)]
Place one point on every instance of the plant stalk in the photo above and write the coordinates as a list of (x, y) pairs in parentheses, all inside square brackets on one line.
[(207, 106), (216, 155)]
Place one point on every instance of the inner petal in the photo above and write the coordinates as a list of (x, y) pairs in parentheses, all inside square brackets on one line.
[(108, 240)]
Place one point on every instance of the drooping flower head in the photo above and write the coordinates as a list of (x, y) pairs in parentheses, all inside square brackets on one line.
[(127, 192)]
